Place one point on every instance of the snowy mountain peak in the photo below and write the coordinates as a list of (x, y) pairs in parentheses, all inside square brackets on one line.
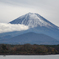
[(32, 20)]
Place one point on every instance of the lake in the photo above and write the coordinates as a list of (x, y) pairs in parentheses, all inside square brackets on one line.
[(29, 57)]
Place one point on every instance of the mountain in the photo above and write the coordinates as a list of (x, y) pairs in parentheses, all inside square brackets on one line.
[(32, 38), (33, 20), (41, 31), (38, 24)]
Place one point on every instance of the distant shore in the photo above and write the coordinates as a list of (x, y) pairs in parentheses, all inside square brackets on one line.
[(28, 49)]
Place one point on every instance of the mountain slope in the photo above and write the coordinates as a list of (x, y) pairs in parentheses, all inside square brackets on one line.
[(32, 38), (38, 24), (32, 20)]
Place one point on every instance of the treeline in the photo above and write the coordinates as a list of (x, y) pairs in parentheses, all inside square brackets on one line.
[(28, 49)]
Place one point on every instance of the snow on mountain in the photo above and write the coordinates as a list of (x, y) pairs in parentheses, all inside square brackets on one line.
[(32, 20)]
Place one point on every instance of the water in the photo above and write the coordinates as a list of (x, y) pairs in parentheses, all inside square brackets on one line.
[(30, 57)]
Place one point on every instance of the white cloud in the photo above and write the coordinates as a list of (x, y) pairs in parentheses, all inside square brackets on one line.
[(4, 27)]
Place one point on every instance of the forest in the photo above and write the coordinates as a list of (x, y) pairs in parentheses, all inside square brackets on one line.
[(28, 49)]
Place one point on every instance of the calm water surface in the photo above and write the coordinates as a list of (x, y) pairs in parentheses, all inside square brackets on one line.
[(30, 57)]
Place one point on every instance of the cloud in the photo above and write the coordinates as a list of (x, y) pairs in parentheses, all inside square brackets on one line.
[(4, 27)]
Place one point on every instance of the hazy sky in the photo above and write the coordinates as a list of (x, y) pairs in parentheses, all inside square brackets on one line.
[(11, 9)]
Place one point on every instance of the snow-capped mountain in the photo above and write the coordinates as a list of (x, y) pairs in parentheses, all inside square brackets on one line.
[(38, 24), (32, 20), (40, 31)]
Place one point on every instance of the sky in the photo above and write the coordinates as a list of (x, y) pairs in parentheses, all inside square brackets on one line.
[(12, 9)]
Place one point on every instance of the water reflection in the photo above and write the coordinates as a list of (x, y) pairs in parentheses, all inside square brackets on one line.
[(29, 57)]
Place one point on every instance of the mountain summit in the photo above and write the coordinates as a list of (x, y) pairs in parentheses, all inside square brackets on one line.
[(32, 20)]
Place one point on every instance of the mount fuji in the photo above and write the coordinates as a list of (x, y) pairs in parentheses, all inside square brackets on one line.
[(33, 20), (40, 31), (38, 24)]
